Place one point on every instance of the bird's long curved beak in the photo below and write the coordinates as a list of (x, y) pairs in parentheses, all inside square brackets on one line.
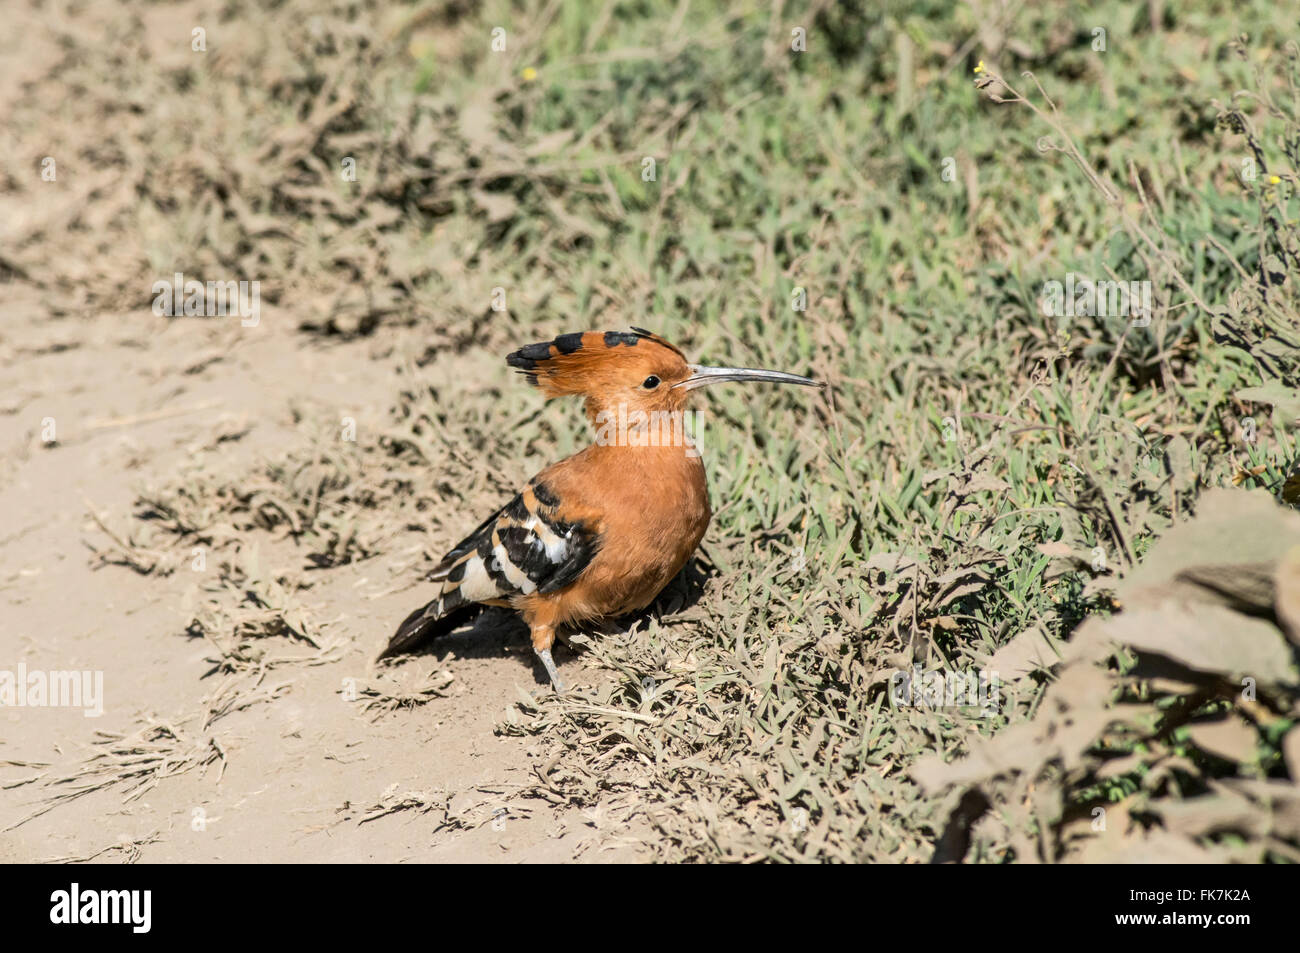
[(701, 375)]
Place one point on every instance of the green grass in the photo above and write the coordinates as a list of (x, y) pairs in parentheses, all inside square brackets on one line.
[(778, 171)]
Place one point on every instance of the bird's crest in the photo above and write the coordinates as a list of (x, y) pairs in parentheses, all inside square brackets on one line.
[(581, 363)]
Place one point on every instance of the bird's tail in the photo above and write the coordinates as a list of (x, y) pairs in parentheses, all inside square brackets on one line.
[(439, 617)]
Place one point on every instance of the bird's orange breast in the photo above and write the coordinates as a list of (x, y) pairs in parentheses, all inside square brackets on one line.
[(651, 508)]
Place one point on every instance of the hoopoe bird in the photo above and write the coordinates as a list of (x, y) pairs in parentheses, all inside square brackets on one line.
[(601, 533)]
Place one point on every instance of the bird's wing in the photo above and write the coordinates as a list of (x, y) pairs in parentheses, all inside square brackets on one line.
[(524, 547)]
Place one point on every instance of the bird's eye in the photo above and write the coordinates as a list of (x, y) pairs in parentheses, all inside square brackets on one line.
[(650, 383)]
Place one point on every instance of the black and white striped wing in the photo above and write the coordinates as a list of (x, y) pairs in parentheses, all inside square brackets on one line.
[(522, 548)]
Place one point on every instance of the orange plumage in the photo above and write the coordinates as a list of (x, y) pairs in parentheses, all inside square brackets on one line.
[(601, 533)]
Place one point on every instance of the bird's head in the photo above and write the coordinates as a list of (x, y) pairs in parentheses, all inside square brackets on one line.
[(634, 369)]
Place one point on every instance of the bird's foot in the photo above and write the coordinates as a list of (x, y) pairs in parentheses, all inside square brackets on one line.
[(545, 656)]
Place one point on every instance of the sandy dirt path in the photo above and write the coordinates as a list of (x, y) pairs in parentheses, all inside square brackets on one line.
[(132, 399)]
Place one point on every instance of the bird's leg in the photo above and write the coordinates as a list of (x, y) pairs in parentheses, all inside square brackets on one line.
[(543, 639)]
